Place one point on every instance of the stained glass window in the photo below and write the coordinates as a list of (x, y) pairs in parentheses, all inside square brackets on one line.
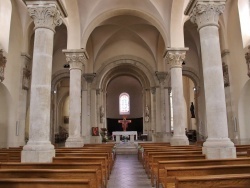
[(124, 104)]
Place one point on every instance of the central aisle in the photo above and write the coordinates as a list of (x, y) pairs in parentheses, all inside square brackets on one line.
[(128, 173)]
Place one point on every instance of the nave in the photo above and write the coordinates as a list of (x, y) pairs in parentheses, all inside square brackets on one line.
[(128, 172)]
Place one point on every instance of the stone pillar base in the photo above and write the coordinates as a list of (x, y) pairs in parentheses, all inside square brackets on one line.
[(219, 149), (95, 139), (179, 141), (161, 137), (38, 153), (74, 142)]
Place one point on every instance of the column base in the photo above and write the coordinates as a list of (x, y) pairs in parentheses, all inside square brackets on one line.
[(38, 152), (219, 149), (74, 142), (161, 137), (179, 141)]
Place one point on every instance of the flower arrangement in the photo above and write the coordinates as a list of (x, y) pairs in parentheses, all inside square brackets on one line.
[(104, 134), (125, 138)]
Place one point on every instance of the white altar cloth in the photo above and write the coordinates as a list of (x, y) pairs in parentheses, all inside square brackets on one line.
[(117, 134)]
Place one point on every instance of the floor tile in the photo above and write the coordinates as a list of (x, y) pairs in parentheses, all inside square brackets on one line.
[(128, 172)]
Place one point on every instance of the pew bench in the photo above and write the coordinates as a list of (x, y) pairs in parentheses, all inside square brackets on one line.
[(160, 172), (208, 181), (83, 165), (153, 166), (91, 174), (43, 182), (71, 160), (80, 154)]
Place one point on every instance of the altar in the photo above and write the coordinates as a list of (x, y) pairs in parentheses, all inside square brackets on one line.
[(117, 134)]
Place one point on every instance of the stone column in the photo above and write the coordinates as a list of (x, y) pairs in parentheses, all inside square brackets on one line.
[(167, 109), (3, 61), (161, 77), (76, 59), (46, 15), (89, 77), (24, 88), (206, 15), (175, 56)]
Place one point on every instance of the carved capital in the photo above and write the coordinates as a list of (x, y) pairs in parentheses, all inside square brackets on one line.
[(3, 61), (206, 13), (153, 90), (247, 57), (98, 91), (76, 58), (175, 56), (26, 78), (225, 52), (225, 74), (45, 17), (89, 77), (46, 14), (161, 76)]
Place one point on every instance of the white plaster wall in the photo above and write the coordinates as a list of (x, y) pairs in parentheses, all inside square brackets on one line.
[(12, 73), (124, 47), (244, 117), (4, 114), (129, 85), (237, 63), (59, 60), (5, 19), (244, 14)]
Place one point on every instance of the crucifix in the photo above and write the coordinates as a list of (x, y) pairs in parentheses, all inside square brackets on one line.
[(124, 123)]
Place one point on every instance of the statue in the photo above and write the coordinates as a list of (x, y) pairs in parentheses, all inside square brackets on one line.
[(146, 114), (101, 114), (192, 110)]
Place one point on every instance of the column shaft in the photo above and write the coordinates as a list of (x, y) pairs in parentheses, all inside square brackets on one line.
[(175, 57), (75, 104), (213, 83), (206, 15), (76, 59)]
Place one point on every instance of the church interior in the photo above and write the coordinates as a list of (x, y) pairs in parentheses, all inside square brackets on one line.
[(122, 78)]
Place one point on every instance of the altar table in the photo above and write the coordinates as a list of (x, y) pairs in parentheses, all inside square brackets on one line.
[(117, 134)]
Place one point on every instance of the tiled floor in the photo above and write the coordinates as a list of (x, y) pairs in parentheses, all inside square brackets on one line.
[(128, 173)]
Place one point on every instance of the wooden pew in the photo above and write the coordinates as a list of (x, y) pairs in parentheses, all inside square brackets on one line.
[(43, 182), (91, 174), (87, 154), (169, 158), (160, 172), (4, 157), (70, 160), (175, 172), (218, 181), (83, 165), (148, 156), (13, 155)]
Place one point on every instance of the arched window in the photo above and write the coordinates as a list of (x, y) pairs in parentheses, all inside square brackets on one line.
[(124, 104)]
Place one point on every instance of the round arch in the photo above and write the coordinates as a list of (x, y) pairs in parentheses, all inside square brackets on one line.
[(115, 66), (118, 12), (5, 108), (243, 114)]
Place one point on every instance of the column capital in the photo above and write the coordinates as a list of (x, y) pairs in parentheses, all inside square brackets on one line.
[(247, 57), (76, 58), (224, 53), (3, 61), (161, 76), (175, 56), (46, 14), (205, 12), (89, 77)]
